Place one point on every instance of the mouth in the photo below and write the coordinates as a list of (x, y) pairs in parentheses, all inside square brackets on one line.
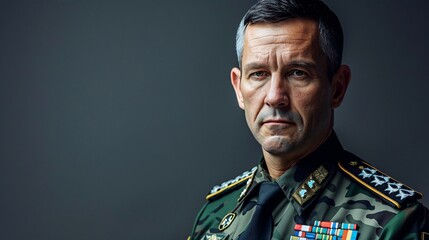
[(276, 122)]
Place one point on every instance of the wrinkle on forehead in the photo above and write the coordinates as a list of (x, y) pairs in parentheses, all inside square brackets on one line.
[(296, 30), (277, 39), (298, 36)]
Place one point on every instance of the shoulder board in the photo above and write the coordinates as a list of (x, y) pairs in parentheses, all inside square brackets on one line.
[(391, 191), (231, 184)]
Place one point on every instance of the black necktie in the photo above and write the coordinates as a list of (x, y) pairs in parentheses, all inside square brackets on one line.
[(261, 225)]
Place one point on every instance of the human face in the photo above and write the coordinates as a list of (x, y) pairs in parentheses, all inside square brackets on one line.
[(284, 88)]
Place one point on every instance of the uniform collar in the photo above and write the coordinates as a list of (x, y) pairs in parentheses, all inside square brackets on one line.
[(326, 156)]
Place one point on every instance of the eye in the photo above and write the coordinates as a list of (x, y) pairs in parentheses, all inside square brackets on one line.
[(299, 77), (298, 73), (259, 75)]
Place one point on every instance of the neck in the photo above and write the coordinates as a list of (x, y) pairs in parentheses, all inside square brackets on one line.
[(277, 165)]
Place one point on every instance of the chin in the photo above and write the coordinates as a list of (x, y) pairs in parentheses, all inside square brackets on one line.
[(277, 145)]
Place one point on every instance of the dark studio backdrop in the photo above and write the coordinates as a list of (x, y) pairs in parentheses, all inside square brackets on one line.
[(117, 117)]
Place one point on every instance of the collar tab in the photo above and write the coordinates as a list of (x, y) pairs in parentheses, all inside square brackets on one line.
[(308, 189)]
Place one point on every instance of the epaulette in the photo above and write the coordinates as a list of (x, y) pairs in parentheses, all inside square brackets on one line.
[(391, 191), (230, 184)]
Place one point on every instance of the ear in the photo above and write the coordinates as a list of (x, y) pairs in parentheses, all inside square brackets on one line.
[(235, 81), (340, 82)]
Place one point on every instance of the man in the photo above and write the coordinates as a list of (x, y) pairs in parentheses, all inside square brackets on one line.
[(289, 81)]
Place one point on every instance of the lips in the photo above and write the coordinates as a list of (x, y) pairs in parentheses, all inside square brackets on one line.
[(276, 121)]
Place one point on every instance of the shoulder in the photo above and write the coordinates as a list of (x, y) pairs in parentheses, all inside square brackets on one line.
[(385, 187), (221, 200), (230, 185)]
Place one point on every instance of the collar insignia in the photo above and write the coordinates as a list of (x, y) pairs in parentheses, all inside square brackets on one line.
[(310, 186)]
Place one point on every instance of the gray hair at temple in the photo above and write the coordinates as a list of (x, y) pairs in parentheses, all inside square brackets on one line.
[(273, 11)]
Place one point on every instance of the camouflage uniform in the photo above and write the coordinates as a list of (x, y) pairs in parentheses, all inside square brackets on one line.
[(330, 184)]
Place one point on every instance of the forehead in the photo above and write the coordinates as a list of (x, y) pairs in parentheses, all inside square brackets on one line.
[(296, 33)]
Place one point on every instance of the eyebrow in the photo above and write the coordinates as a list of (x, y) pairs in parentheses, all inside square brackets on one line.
[(254, 65), (303, 63), (295, 63)]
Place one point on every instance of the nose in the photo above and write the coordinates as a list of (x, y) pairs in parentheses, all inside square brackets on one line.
[(277, 96)]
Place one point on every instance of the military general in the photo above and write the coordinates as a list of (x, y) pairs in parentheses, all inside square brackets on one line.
[(289, 81)]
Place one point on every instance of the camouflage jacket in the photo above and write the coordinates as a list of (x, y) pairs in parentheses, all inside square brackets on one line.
[(329, 185)]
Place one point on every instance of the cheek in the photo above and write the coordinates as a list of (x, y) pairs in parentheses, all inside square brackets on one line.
[(304, 100), (312, 106), (249, 108), (253, 102)]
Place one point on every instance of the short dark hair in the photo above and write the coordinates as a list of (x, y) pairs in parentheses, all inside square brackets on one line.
[(273, 11)]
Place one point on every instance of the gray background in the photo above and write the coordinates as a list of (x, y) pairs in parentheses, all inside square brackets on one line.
[(116, 117)]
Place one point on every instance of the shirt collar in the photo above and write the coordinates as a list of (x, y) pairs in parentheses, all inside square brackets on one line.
[(327, 155)]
